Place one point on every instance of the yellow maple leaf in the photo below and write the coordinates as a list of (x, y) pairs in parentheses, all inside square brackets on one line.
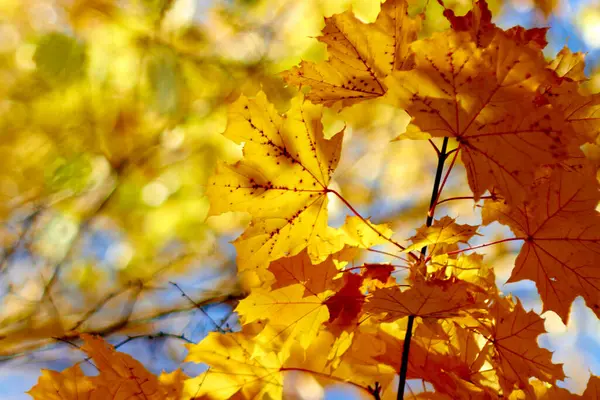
[(282, 180), (287, 310), (360, 56), (442, 231), (233, 368)]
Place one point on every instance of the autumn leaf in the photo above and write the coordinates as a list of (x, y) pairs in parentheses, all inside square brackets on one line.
[(466, 267), (485, 98), (581, 110), (478, 22), (380, 272), (425, 299), (287, 309), (445, 355), (569, 65), (360, 56), (347, 303), (298, 269), (561, 233), (120, 376), (592, 391), (282, 181), (513, 334), (70, 384), (233, 369), (441, 232)]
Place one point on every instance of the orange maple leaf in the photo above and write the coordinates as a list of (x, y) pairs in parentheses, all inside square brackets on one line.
[(434, 298), (512, 334), (120, 376), (316, 279), (486, 99), (561, 230), (70, 384)]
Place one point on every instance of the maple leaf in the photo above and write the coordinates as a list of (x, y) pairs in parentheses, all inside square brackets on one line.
[(288, 309), (380, 272), (233, 368), (569, 65), (444, 354), (282, 181), (486, 99), (512, 333), (70, 384), (592, 391), (298, 269), (466, 267), (442, 231), (346, 304), (478, 23), (561, 232), (120, 376), (581, 111), (425, 298), (360, 56)]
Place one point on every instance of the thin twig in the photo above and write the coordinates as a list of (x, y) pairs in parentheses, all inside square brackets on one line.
[(411, 318)]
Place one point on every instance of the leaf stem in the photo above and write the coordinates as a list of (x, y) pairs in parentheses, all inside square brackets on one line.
[(484, 245), (369, 224), (439, 192), (442, 156), (434, 147), (463, 198)]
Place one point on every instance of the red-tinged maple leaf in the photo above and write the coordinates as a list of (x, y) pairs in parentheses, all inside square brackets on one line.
[(345, 306), (425, 298), (360, 56), (512, 334), (478, 23), (380, 272), (561, 231), (592, 391), (486, 99)]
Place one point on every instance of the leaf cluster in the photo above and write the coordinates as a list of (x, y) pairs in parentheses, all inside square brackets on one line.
[(431, 310)]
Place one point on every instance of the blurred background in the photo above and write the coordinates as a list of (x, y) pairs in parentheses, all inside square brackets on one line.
[(111, 113)]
